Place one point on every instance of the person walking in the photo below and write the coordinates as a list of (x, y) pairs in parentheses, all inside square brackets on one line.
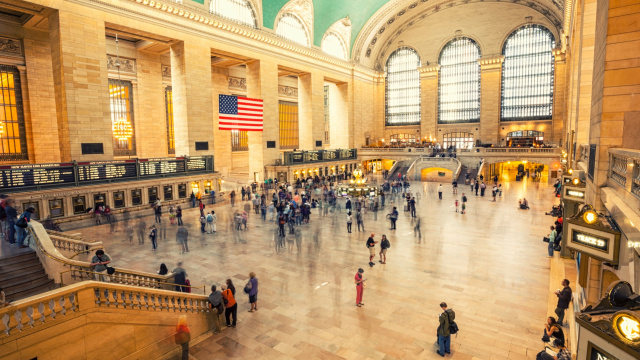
[(12, 217), (182, 235), (455, 187), (193, 199), (172, 214), (180, 278), (201, 206), (216, 306), (464, 204), (231, 306), (210, 223), (21, 226), (347, 206), (371, 245), (252, 290), (384, 245), (552, 238), (349, 221), (483, 187), (179, 215), (494, 192), (412, 207), (473, 184), (440, 191), (281, 222), (393, 216), (153, 236), (477, 186), (232, 196), (142, 228), (564, 299), (158, 213), (444, 334), (359, 287), (359, 220)]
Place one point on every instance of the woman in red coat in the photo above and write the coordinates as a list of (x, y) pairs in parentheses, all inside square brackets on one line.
[(359, 287)]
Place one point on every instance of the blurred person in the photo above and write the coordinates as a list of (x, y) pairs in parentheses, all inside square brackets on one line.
[(182, 236), (180, 278)]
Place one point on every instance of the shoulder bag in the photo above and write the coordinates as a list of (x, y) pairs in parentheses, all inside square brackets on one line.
[(453, 327)]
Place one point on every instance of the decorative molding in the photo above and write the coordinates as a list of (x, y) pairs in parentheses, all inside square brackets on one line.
[(166, 71), (342, 28), (491, 63), (238, 83), (287, 91), (126, 65), (429, 71), (560, 55), (302, 9), (11, 47)]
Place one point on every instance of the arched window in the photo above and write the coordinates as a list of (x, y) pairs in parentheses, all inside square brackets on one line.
[(402, 93), (459, 82), (239, 11), (291, 28), (527, 74), (13, 140), (332, 45)]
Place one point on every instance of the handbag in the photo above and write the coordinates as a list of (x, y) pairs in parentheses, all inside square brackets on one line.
[(247, 288), (545, 239), (22, 222), (110, 270), (557, 247)]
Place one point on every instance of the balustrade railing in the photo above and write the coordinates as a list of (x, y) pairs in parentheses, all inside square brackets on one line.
[(73, 244), (478, 151), (635, 185), (618, 171)]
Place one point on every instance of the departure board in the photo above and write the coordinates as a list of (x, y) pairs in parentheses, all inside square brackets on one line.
[(163, 166), (106, 170), (196, 163), (16, 176)]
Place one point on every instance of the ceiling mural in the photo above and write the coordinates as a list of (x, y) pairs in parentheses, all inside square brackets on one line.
[(370, 19)]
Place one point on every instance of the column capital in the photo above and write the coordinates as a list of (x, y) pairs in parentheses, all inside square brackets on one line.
[(491, 63), (429, 71), (559, 54)]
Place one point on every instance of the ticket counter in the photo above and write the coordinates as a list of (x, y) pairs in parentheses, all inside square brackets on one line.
[(136, 197), (182, 191), (35, 205), (153, 194), (79, 205), (56, 208), (118, 199)]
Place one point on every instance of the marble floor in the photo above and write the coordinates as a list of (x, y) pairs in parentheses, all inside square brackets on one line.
[(489, 265)]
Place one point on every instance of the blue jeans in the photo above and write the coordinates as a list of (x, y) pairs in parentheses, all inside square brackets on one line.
[(12, 232), (550, 248), (444, 343), (20, 234)]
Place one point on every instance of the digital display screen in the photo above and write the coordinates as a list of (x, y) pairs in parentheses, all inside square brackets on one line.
[(595, 242), (196, 163), (155, 167), (36, 175), (106, 170)]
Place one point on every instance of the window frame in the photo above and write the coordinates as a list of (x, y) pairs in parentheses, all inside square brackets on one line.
[(21, 138), (236, 20), (289, 137), (343, 47), (468, 80), (168, 107), (458, 137), (505, 78), (117, 151), (413, 116), (302, 24)]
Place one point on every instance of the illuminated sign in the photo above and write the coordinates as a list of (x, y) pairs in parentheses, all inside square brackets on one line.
[(627, 326), (579, 194), (595, 353), (591, 241)]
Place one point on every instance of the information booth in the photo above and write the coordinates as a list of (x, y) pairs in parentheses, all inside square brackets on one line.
[(56, 208)]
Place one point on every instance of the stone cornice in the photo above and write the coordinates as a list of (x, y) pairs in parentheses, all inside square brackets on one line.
[(491, 63), (429, 71)]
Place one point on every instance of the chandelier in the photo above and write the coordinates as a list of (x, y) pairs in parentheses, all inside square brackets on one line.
[(122, 129)]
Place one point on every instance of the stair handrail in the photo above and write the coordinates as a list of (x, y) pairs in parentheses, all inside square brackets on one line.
[(55, 262), (71, 244), (39, 311)]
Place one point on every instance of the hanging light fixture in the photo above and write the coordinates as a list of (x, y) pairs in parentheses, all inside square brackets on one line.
[(122, 129)]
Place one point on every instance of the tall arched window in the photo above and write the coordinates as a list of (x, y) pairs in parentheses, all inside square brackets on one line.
[(291, 28), (402, 93), (527, 74), (13, 140), (239, 11), (459, 82), (333, 45)]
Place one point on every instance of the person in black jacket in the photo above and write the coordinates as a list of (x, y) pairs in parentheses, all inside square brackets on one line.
[(384, 245), (564, 299)]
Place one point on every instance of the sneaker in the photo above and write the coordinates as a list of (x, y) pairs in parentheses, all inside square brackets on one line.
[(439, 353)]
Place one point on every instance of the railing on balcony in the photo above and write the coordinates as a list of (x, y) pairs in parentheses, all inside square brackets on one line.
[(476, 151), (624, 170), (618, 171), (635, 185)]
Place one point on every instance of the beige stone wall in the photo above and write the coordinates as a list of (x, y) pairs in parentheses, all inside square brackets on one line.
[(490, 102), (149, 100), (222, 146)]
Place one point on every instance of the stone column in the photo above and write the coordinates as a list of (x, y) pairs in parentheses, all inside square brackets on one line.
[(311, 110), (151, 117), (559, 100), (490, 104), (78, 53), (429, 101), (262, 83), (593, 284), (192, 104), (220, 80)]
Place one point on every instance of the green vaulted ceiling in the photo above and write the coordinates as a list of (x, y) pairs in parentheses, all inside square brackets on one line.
[(327, 12)]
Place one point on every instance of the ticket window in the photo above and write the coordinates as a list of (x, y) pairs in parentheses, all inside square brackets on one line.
[(56, 208), (207, 187), (182, 191), (79, 204), (33, 204), (99, 200), (118, 199), (153, 194), (195, 188), (136, 197), (168, 192)]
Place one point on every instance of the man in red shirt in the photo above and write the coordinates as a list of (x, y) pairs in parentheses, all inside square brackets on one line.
[(359, 287)]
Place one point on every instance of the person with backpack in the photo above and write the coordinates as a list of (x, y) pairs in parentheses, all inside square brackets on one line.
[(384, 245), (445, 329), (393, 216), (21, 226), (210, 223), (180, 279), (215, 303), (464, 204)]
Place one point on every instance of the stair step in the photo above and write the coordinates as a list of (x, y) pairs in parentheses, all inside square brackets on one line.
[(31, 290), (21, 274), (20, 280), (18, 258), (8, 268), (15, 291)]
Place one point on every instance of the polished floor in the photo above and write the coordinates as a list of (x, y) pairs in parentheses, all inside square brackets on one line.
[(489, 265)]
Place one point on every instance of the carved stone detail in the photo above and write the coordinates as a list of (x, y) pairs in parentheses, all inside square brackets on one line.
[(126, 65), (304, 10), (10, 46), (166, 71), (238, 83), (287, 91)]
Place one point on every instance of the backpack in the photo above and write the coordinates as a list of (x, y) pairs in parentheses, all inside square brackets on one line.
[(453, 327), (209, 218), (22, 222), (386, 243)]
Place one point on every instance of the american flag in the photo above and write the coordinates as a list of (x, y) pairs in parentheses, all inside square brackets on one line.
[(240, 113)]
